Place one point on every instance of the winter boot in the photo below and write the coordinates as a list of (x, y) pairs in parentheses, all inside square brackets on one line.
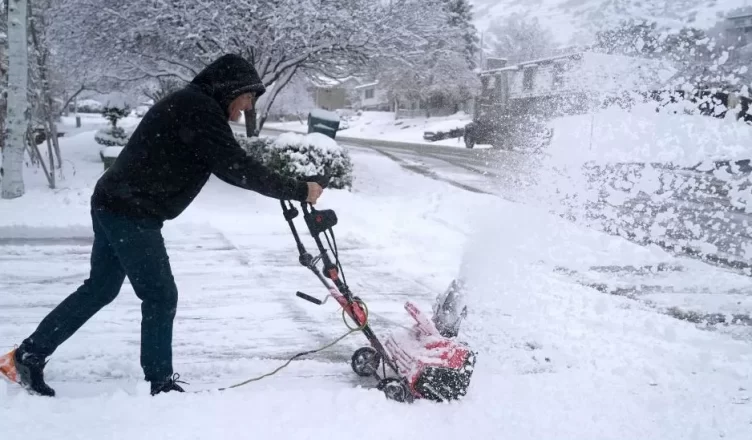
[(26, 369), (167, 385), (8, 366)]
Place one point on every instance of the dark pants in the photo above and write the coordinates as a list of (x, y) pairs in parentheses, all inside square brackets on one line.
[(122, 246)]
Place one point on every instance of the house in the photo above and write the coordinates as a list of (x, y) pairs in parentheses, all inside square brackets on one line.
[(589, 73), (739, 28), (740, 23), (565, 84), (333, 94), (437, 107), (371, 97)]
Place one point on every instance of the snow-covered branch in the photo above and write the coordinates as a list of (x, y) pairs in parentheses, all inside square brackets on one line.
[(137, 40)]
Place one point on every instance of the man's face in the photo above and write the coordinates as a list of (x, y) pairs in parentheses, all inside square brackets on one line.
[(240, 104)]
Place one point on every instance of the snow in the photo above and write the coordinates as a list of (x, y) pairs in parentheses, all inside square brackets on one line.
[(654, 176), (642, 135), (324, 144), (556, 359), (325, 115), (383, 126), (111, 151), (578, 20)]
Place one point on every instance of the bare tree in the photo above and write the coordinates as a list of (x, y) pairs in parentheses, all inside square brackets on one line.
[(519, 38), (135, 41), (162, 87), (437, 66), (43, 87)]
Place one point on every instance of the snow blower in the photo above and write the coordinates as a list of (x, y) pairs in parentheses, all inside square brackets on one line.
[(422, 362)]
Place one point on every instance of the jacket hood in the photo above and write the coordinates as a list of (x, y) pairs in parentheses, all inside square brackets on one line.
[(228, 77)]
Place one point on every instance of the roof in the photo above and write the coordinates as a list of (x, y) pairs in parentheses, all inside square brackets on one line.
[(370, 84), (740, 15), (604, 72), (327, 81), (530, 63)]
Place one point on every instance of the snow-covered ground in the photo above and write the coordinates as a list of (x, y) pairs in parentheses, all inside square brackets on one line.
[(557, 359), (383, 126)]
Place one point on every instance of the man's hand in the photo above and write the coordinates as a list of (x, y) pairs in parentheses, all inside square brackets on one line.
[(314, 192)]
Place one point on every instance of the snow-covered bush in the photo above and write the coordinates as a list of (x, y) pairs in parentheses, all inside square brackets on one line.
[(111, 137), (115, 113), (303, 156)]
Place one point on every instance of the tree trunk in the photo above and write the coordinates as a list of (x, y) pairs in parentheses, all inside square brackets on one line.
[(18, 105), (250, 122), (276, 88), (34, 151), (42, 55), (3, 84), (51, 176)]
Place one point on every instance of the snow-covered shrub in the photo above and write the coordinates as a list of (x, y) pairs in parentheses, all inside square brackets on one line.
[(303, 156), (111, 137), (115, 113)]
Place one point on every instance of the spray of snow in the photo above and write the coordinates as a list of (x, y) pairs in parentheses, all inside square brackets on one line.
[(677, 179)]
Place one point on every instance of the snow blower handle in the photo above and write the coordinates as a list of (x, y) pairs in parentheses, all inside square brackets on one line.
[(309, 298)]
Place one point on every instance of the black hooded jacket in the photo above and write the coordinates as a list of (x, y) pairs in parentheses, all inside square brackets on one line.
[(181, 141)]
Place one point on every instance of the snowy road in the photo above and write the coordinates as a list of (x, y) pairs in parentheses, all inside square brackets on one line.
[(557, 357)]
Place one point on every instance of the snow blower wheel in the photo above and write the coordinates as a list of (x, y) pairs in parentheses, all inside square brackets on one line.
[(394, 389), (365, 361)]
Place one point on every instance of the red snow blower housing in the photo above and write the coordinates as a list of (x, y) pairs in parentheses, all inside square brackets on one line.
[(419, 362)]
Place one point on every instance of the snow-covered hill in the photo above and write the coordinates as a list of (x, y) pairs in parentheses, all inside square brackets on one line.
[(567, 18)]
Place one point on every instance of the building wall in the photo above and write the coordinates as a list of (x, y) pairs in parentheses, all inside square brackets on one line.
[(539, 81), (742, 23), (373, 98), (331, 98), (592, 72)]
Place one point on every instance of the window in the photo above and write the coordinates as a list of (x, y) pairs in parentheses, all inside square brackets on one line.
[(527, 81), (369, 93), (558, 75)]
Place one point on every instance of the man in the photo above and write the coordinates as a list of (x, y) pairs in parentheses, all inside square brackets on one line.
[(180, 142)]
